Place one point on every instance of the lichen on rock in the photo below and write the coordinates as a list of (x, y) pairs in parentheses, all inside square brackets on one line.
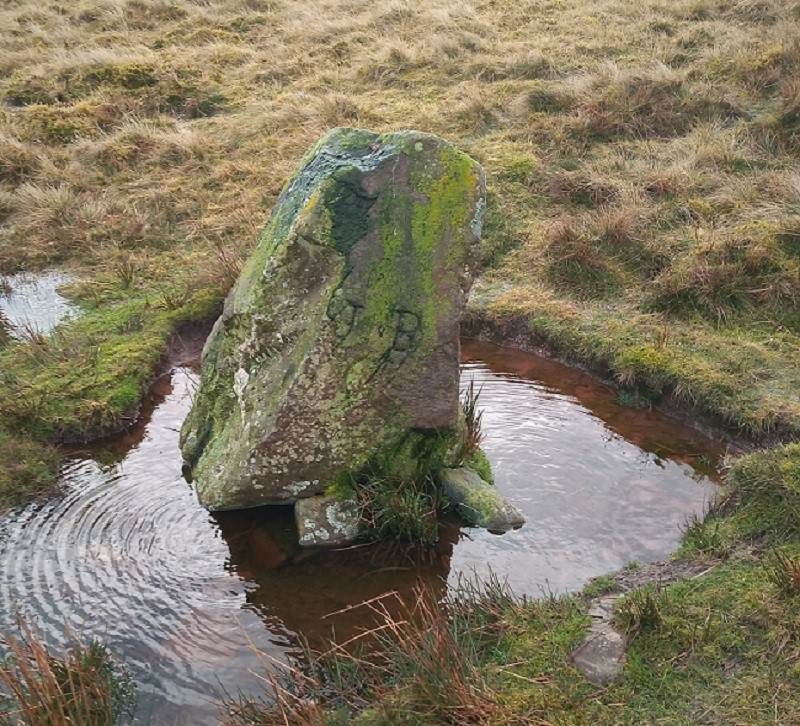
[(327, 521), (341, 335)]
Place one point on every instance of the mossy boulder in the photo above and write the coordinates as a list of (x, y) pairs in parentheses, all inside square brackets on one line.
[(341, 335), (478, 502)]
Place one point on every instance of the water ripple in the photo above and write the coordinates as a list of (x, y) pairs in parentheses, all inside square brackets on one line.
[(128, 555), (562, 451)]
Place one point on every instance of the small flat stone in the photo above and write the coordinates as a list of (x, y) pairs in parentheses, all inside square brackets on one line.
[(601, 655), (326, 521), (479, 503)]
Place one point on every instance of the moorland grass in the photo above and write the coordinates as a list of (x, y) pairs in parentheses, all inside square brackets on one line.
[(643, 184), (643, 220)]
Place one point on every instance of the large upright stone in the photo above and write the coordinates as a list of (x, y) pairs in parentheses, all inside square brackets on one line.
[(341, 335)]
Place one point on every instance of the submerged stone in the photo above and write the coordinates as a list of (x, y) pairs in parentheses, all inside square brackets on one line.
[(479, 503), (327, 521), (341, 336)]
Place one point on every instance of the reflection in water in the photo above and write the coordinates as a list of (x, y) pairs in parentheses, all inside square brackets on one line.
[(32, 301), (128, 555), (312, 591), (599, 484)]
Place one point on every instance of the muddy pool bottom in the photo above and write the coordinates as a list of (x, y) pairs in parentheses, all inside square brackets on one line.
[(181, 596)]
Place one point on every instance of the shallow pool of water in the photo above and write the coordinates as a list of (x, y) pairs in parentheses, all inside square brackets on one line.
[(128, 555), (599, 484)]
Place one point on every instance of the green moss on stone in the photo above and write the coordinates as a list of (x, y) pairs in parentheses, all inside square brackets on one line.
[(417, 455), (484, 504), (479, 463), (342, 486), (366, 254)]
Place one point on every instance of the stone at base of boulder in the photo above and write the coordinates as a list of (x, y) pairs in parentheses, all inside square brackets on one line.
[(601, 655), (479, 503), (326, 521)]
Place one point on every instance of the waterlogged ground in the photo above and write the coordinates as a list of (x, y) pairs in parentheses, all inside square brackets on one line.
[(129, 556), (31, 303)]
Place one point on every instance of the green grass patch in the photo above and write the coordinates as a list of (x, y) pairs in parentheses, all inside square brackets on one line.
[(767, 486), (84, 380), (28, 470)]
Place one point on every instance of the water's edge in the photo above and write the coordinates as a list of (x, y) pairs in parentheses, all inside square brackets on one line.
[(514, 334), (128, 556)]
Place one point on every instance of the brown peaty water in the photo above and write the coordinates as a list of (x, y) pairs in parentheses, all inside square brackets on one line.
[(128, 555)]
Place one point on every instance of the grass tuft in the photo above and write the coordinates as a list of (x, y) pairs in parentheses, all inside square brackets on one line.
[(640, 610), (424, 666), (703, 535), (404, 510), (655, 102), (783, 570), (83, 686)]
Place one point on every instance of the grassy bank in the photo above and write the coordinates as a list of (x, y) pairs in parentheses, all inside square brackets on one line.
[(644, 220)]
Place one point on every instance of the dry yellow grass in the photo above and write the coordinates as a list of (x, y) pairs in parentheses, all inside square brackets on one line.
[(642, 162)]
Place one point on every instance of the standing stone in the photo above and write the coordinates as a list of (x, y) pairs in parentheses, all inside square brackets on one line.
[(340, 339)]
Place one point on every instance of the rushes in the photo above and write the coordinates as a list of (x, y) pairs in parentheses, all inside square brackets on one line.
[(422, 663), (473, 418), (38, 688)]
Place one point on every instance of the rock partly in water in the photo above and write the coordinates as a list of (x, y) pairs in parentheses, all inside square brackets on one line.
[(479, 503), (341, 336), (327, 521), (602, 654)]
